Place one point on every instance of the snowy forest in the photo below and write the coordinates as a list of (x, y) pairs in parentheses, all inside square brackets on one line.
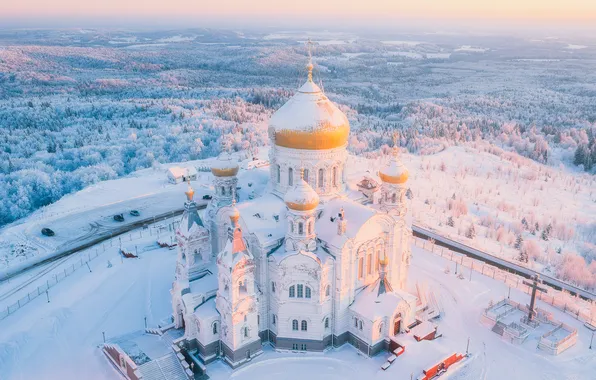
[(82, 106)]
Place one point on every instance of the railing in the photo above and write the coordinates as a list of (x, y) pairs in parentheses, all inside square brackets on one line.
[(562, 300), (67, 271)]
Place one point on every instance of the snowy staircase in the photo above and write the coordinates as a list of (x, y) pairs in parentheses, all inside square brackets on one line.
[(499, 328), (167, 367)]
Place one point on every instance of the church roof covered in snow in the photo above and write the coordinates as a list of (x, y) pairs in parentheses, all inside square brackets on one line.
[(372, 305), (309, 120), (355, 213)]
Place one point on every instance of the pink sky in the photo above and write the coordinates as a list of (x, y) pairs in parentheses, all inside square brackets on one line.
[(563, 10)]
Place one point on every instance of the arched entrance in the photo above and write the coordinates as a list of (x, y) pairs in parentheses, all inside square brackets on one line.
[(396, 324)]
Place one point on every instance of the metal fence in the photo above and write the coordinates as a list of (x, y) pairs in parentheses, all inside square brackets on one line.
[(577, 307), (56, 277)]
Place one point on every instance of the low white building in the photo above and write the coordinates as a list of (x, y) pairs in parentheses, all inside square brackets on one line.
[(176, 174)]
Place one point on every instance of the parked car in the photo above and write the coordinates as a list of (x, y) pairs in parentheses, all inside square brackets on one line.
[(119, 218), (47, 232), (207, 196), (134, 213)]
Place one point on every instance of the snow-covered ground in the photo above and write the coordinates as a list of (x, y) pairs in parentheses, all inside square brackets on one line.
[(60, 339)]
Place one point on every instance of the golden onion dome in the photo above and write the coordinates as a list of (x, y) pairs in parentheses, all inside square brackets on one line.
[(384, 261), (394, 171), (224, 166), (302, 197), (309, 120), (190, 192)]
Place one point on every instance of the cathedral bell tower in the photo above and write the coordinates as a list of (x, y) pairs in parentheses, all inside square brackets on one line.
[(394, 176), (237, 300), (194, 252), (302, 202)]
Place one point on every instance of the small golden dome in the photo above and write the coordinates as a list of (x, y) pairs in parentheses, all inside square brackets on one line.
[(394, 171), (224, 166), (234, 213), (302, 197), (189, 193), (384, 261), (309, 120)]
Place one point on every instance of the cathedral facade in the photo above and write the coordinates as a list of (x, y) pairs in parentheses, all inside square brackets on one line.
[(308, 265)]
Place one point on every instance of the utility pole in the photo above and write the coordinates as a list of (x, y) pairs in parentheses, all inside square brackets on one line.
[(468, 347), (48, 297), (103, 333), (591, 339), (145, 322)]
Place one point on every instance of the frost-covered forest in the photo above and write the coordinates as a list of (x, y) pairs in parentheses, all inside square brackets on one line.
[(82, 106)]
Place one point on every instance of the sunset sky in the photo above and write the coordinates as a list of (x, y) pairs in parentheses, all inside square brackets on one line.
[(536, 10)]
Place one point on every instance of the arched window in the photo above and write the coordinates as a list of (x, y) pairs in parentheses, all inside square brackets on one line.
[(380, 328), (304, 326), (242, 287), (292, 291), (321, 178), (327, 322), (258, 320), (305, 175), (300, 290), (369, 262), (278, 173), (273, 286), (295, 325), (290, 177), (274, 319), (310, 227), (394, 198), (377, 256), (361, 267), (335, 176), (307, 292), (245, 318), (223, 190), (215, 328), (246, 332), (360, 325), (291, 227), (300, 228), (327, 290), (356, 322)]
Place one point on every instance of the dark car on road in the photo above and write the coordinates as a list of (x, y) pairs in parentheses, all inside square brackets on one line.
[(47, 232), (207, 196), (135, 213), (119, 218)]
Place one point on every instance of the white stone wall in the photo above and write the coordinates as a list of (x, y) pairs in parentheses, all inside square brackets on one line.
[(312, 161)]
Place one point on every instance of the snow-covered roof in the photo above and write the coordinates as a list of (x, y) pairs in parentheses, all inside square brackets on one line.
[(355, 213), (207, 310), (319, 255), (177, 171), (259, 217), (423, 329), (191, 220), (205, 284), (372, 306)]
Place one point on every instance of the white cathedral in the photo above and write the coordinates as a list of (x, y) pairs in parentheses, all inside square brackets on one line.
[(306, 266)]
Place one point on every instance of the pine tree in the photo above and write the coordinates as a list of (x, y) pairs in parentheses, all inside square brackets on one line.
[(409, 194), (450, 222), (544, 235), (524, 223), (471, 233), (523, 256), (518, 242)]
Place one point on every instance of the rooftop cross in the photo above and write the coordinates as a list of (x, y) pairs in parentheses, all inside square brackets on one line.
[(309, 66)]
